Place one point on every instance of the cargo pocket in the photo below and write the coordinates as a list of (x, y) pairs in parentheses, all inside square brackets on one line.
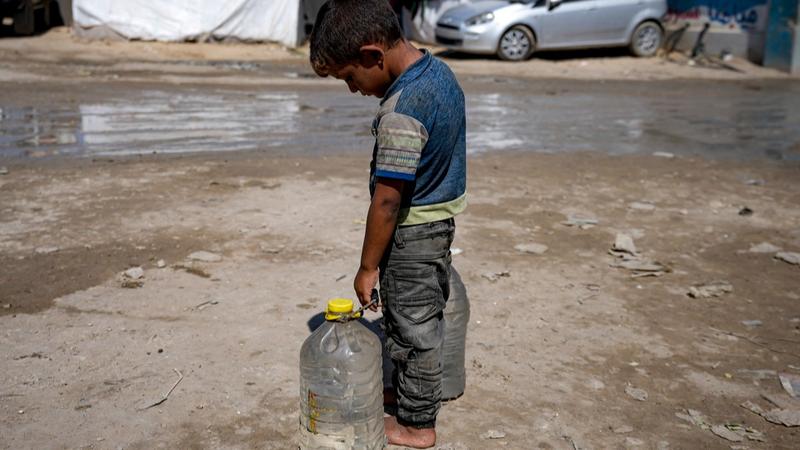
[(417, 294)]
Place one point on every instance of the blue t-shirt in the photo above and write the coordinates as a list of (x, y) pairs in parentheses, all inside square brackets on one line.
[(420, 137)]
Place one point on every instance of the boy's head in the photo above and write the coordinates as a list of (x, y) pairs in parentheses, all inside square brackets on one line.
[(350, 40)]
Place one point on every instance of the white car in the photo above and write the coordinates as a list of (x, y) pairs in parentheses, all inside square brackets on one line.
[(515, 29)]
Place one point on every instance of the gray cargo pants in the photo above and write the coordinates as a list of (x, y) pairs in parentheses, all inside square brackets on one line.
[(414, 286)]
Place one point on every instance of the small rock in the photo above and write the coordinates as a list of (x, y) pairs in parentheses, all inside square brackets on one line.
[(724, 433), (494, 276), (134, 273), (493, 434), (633, 442), (714, 289), (46, 250), (636, 393), (789, 257), (161, 264), (3, 170), (272, 250), (667, 155), (596, 384), (205, 256), (745, 211), (624, 243), (533, 248), (580, 222), (456, 251), (764, 247), (21, 411), (6, 305), (623, 429), (642, 206), (754, 182), (752, 323)]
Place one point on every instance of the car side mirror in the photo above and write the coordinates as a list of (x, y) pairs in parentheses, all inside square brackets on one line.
[(553, 4)]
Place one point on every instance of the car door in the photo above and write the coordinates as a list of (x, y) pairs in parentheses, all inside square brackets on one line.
[(612, 18), (568, 23)]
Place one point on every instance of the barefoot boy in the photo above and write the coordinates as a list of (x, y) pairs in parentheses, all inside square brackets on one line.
[(417, 184)]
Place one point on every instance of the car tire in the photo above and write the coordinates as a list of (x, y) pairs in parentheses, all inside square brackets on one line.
[(646, 39), (25, 19), (516, 44)]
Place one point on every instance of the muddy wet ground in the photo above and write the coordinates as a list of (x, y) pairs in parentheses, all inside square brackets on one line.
[(275, 184)]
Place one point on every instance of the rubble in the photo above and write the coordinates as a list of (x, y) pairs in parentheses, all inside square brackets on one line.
[(204, 256), (531, 248), (789, 257), (709, 290)]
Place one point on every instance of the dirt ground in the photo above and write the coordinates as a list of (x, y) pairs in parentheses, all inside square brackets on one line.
[(555, 339)]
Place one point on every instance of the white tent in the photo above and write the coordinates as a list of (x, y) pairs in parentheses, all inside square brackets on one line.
[(181, 20)]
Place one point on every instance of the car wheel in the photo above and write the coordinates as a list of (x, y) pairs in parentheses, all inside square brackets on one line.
[(646, 39), (25, 18), (516, 44)]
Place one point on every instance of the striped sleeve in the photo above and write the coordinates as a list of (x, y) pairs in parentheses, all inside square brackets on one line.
[(401, 139)]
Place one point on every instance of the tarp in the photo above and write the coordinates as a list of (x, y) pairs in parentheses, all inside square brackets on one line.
[(422, 26), (191, 20)]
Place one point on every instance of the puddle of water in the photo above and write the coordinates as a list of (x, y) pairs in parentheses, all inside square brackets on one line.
[(738, 123)]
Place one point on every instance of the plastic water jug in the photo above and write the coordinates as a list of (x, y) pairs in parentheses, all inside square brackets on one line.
[(341, 384), (456, 318)]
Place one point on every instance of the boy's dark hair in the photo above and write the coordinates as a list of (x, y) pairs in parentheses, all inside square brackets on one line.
[(344, 26)]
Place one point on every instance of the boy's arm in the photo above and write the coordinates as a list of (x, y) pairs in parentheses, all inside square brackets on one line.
[(381, 222)]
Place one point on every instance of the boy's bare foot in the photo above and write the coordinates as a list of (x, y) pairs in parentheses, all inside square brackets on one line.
[(408, 436)]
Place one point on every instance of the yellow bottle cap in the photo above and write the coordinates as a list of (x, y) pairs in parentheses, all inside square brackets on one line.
[(338, 307)]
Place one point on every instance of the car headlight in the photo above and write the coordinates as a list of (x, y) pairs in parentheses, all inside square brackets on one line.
[(480, 19)]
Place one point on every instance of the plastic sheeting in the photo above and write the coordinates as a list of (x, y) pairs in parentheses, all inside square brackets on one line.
[(192, 20), (422, 27)]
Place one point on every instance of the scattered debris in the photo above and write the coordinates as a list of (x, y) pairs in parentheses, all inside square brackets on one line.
[(754, 182), (6, 305), (166, 396), (641, 206), (636, 393), (580, 222), (272, 250), (667, 155), (205, 305), (790, 383), (727, 434), (194, 270), (34, 355), (532, 248), (134, 273), (764, 247), (628, 258), (624, 243), (745, 211), (633, 442), (493, 434), (456, 251), (752, 323), (623, 429), (132, 278), (205, 256), (789, 257), (785, 417), (713, 289), (161, 264), (341, 277), (731, 432), (494, 276), (46, 250)]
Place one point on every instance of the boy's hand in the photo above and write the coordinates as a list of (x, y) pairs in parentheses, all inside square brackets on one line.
[(364, 283)]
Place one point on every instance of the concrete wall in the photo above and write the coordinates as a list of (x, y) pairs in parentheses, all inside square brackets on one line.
[(737, 26)]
